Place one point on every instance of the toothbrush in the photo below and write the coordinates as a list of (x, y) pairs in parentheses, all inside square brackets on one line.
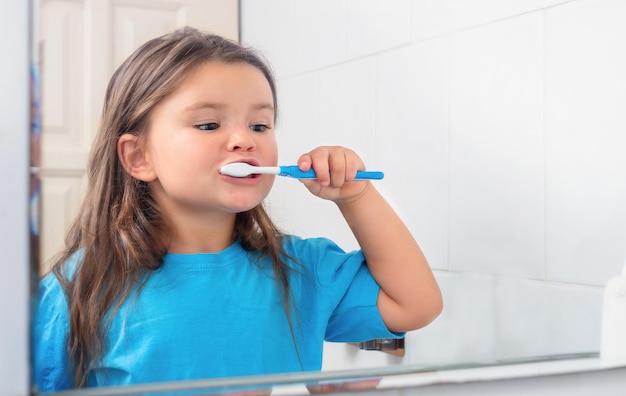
[(241, 169)]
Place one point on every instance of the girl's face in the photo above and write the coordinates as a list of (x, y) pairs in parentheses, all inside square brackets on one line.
[(221, 113)]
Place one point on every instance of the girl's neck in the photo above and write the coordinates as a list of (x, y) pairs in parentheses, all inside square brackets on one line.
[(201, 236)]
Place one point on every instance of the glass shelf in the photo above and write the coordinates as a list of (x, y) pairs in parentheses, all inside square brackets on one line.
[(315, 382)]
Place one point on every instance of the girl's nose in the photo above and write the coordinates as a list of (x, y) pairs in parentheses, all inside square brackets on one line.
[(241, 139)]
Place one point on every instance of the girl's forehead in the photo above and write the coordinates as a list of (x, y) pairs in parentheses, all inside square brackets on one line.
[(218, 85), (215, 81), (222, 72), (225, 79)]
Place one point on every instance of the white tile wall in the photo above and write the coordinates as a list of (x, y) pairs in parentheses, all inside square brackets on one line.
[(373, 25), (496, 148), (346, 107), (412, 139), (430, 18), (586, 141), (296, 37), (526, 311), (465, 331), (260, 29), (492, 317), (509, 8), (320, 35), (500, 127)]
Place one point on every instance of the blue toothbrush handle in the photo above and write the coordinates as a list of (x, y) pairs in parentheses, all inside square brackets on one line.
[(295, 172), (369, 175)]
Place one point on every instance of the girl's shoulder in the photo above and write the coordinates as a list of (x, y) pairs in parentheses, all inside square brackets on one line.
[(322, 255), (50, 287), (298, 244)]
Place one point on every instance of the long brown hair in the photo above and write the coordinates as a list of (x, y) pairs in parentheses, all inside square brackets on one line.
[(119, 226)]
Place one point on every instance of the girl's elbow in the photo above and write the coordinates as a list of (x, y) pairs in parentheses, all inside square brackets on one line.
[(413, 314), (426, 313), (436, 308)]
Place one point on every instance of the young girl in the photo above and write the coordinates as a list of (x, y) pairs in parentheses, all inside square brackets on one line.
[(174, 271)]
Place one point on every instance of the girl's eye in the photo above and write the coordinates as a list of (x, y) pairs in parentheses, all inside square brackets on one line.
[(259, 128), (209, 126)]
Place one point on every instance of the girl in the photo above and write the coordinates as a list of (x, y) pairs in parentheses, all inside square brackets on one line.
[(174, 271)]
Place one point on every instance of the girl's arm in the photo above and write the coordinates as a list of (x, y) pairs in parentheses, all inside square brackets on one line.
[(410, 297)]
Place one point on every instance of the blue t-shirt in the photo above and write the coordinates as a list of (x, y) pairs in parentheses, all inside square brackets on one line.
[(219, 315)]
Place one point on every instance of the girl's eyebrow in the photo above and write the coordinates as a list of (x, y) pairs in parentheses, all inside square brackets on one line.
[(207, 105), (264, 106), (204, 105)]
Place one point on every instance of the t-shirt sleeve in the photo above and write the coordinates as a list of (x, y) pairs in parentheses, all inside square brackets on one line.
[(357, 318), (50, 332), (351, 292)]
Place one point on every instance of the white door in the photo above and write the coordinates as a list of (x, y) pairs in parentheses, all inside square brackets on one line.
[(81, 44)]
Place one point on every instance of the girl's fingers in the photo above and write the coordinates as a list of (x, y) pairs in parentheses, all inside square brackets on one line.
[(334, 165), (337, 166), (320, 160)]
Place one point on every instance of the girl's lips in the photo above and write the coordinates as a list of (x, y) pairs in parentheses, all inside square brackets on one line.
[(244, 181)]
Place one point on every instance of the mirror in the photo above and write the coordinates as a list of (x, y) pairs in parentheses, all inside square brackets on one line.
[(499, 126)]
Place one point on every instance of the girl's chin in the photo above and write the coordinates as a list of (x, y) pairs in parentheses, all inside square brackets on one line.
[(237, 203), (243, 207)]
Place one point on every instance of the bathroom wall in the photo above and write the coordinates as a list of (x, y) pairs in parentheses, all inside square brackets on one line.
[(500, 126)]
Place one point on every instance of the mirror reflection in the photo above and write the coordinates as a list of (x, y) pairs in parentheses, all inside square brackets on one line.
[(174, 271), (498, 127)]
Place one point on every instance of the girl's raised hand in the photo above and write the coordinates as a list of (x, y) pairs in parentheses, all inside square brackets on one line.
[(335, 167), (409, 297)]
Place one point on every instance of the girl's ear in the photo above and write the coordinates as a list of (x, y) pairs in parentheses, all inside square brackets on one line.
[(134, 158)]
